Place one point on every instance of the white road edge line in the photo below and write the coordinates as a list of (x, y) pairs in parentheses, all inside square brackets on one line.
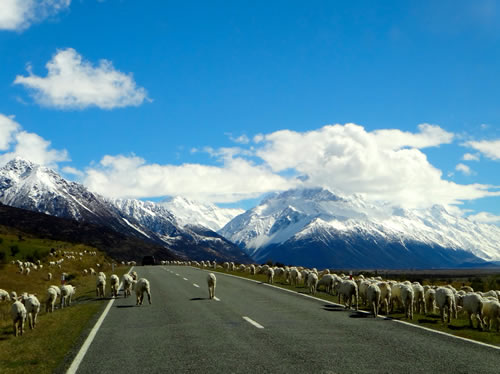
[(252, 322), (83, 350), (365, 312)]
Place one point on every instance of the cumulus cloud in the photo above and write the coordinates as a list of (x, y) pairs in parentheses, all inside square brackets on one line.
[(384, 164), (132, 177), (470, 157), (484, 217), (464, 169), (489, 148), (72, 82), (17, 15), (15, 142)]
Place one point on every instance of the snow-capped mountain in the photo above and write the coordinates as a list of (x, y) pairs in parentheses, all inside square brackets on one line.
[(33, 187), (319, 228), (189, 212)]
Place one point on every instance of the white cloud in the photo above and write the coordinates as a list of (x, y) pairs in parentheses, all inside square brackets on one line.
[(242, 139), (489, 148), (72, 82), (237, 179), (30, 146), (8, 128), (72, 171), (17, 15), (470, 157), (484, 217), (464, 169), (378, 164)]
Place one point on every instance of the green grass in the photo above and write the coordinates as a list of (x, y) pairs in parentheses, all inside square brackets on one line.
[(458, 327), (44, 349)]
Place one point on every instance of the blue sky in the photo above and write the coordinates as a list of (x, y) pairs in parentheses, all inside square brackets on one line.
[(225, 101)]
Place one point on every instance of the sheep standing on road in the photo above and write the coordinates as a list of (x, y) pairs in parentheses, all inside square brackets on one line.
[(128, 281), (211, 281), (100, 286), (385, 295), (407, 298), (141, 286), (18, 314), (114, 282)]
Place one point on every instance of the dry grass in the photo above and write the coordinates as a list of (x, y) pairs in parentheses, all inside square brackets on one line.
[(43, 349)]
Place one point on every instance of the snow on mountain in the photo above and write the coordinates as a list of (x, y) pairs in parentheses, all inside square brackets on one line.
[(294, 220), (33, 187), (189, 212)]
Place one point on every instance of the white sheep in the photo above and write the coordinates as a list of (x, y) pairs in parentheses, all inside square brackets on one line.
[(373, 294), (67, 292), (211, 281), (407, 298), (430, 300), (18, 314), (472, 303), (141, 286), (312, 283), (327, 280), (127, 284), (491, 313), (396, 295), (445, 301), (49, 276), (348, 289), (385, 295), (32, 306), (4, 295), (270, 275), (418, 297), (295, 276), (51, 299), (114, 282), (100, 286)]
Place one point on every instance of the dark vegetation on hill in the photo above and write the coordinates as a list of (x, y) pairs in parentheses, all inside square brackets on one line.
[(116, 245)]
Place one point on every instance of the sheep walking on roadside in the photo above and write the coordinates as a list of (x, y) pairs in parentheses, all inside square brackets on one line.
[(211, 281), (270, 275), (491, 313), (472, 303), (128, 281), (445, 300), (32, 306), (51, 299), (18, 314), (312, 283), (114, 282), (67, 292), (348, 289), (141, 286), (373, 297)]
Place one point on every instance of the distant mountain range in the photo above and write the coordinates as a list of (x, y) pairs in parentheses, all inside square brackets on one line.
[(310, 227), (33, 187), (315, 227)]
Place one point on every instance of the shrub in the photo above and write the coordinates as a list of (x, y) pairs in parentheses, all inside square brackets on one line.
[(14, 250)]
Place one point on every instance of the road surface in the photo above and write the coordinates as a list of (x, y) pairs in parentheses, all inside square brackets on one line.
[(254, 328)]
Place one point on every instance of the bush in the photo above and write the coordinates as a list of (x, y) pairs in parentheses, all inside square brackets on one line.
[(14, 250), (3, 257)]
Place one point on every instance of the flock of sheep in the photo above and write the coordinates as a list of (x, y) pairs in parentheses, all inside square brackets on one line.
[(381, 295)]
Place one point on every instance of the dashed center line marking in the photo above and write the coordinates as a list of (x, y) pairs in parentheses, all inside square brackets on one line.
[(252, 322), (185, 279), (194, 284), (177, 275)]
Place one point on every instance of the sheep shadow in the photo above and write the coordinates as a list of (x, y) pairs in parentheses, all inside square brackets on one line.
[(427, 320), (359, 314), (333, 308), (124, 306), (199, 298)]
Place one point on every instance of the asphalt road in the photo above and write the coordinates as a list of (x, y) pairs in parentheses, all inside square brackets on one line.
[(185, 332)]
